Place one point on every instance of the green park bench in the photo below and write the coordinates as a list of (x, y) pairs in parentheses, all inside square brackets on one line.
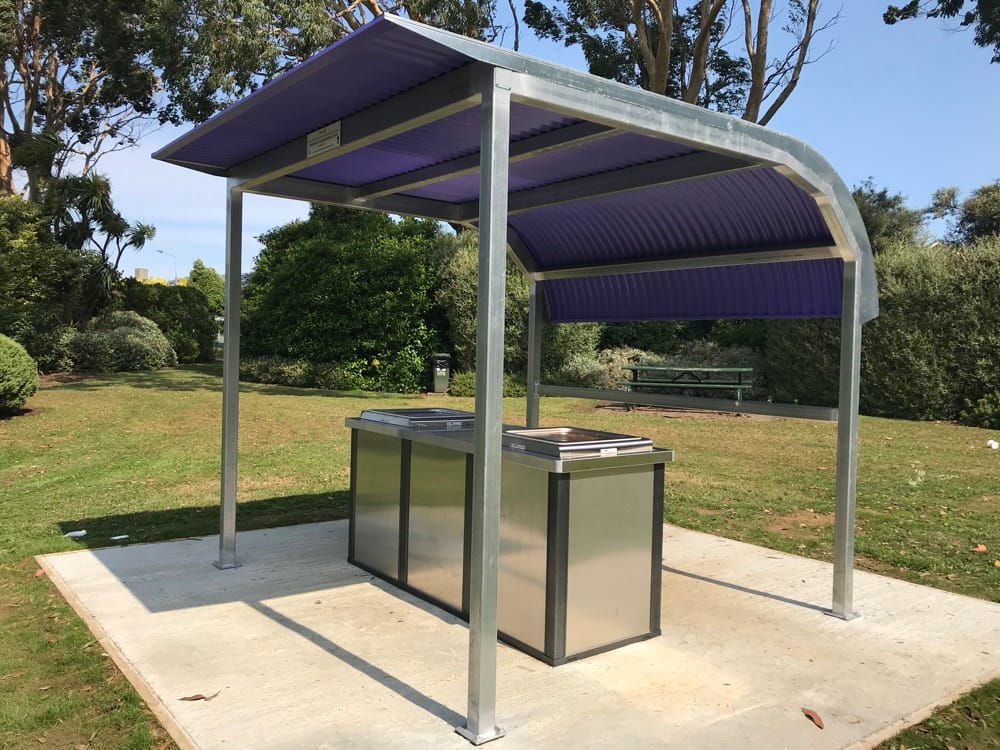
[(686, 378)]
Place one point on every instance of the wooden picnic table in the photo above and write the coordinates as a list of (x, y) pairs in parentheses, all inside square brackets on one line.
[(688, 377)]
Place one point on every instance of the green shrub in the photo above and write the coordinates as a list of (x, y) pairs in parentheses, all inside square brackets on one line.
[(347, 377), (140, 349), (802, 361), (602, 371), (91, 352), (565, 343), (464, 384), (580, 371), (349, 288), (181, 312), (276, 371), (936, 342), (656, 336), (456, 268), (18, 375), (123, 319), (607, 370), (300, 374), (983, 413), (41, 283), (122, 341), (933, 347)]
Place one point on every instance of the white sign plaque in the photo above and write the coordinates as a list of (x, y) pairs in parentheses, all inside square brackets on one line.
[(323, 140)]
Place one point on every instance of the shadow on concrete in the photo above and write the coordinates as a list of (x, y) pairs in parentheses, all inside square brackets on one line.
[(374, 672), (197, 521), (275, 563), (746, 590)]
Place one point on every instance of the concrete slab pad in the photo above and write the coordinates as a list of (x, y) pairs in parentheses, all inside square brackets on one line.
[(306, 651)]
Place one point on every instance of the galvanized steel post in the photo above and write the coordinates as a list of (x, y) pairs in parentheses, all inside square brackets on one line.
[(534, 353), (495, 139), (230, 378), (847, 444)]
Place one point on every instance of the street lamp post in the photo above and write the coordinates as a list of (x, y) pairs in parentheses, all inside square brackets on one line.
[(164, 252)]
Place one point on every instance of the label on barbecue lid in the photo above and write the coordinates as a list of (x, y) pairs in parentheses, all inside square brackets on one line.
[(609, 451), (454, 425)]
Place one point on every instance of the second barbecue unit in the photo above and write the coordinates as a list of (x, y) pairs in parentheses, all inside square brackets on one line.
[(580, 526)]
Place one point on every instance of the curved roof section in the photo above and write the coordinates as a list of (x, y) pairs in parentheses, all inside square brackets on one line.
[(622, 204)]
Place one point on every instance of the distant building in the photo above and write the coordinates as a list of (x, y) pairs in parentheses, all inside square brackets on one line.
[(142, 273)]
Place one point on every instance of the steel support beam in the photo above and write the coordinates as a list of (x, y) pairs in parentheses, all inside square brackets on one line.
[(534, 375), (825, 252), (418, 106), (526, 148), (344, 195), (230, 378), (481, 720), (793, 411), (695, 166), (847, 446)]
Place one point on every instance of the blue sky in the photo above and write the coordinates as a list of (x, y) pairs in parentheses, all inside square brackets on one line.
[(915, 106)]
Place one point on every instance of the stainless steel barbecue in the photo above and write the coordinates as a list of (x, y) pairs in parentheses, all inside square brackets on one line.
[(574, 442), (427, 418)]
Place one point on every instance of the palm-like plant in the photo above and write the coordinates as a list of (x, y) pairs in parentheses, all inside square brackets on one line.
[(84, 217)]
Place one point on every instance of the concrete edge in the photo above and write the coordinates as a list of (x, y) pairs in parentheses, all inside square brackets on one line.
[(915, 717), (135, 678)]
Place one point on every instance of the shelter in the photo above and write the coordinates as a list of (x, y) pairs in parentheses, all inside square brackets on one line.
[(617, 204)]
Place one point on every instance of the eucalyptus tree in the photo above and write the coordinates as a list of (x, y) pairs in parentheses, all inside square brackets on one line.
[(716, 53), (983, 16), (82, 78)]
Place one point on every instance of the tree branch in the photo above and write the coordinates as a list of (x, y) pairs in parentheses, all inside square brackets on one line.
[(807, 37), (699, 55)]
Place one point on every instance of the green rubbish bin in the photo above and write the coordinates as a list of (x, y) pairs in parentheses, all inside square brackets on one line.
[(440, 372)]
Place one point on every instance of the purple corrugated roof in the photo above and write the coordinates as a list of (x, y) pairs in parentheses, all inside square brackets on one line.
[(595, 157), (349, 76), (795, 289), (442, 140), (737, 209), (745, 211)]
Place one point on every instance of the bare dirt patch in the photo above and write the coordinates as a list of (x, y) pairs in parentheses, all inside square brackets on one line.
[(983, 504), (54, 378), (864, 562), (800, 522)]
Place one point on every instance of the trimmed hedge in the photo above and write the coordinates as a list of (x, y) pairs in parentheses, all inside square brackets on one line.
[(464, 384), (122, 341), (932, 352), (302, 374), (18, 375), (181, 312)]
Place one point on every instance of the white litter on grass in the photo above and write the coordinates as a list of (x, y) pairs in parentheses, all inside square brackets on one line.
[(76, 534), (119, 538), (993, 444)]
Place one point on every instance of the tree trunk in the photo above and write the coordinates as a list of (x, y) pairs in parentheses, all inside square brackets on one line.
[(699, 55), (6, 168)]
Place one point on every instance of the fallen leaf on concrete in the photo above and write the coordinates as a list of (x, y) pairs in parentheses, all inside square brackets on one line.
[(39, 573), (813, 717), (163, 745), (979, 548), (200, 697)]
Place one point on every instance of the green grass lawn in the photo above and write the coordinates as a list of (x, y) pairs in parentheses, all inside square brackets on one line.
[(138, 454)]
